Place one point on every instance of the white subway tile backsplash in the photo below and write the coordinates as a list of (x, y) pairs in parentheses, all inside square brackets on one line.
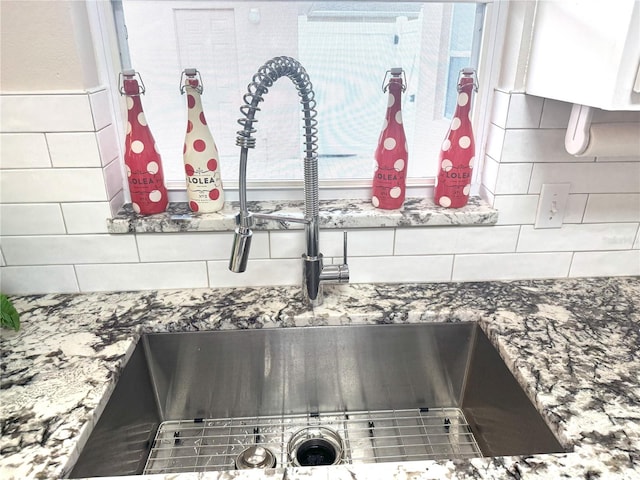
[(614, 116), (108, 144), (486, 195), (176, 247), (141, 276), (361, 243), (31, 219), (513, 178), (525, 149), (69, 249), (52, 185), (522, 209), (45, 113), (571, 237), (113, 178), (500, 109), (100, 108), (618, 159), (439, 240), (510, 266), (622, 207), (555, 114), (88, 217), (260, 272), (430, 268), (365, 242), (525, 111), (620, 177), (287, 244), (331, 242), (490, 171), (536, 146), (38, 279), (24, 150), (77, 149), (605, 263), (116, 203), (495, 142), (516, 209), (574, 210)]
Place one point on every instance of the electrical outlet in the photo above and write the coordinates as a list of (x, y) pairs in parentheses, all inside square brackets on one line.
[(552, 205)]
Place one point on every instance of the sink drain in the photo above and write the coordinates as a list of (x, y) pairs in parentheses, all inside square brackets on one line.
[(313, 446)]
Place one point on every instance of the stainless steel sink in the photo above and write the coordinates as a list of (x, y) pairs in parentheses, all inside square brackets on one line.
[(389, 392)]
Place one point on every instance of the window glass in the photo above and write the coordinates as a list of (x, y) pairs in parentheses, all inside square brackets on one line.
[(462, 23), (346, 47)]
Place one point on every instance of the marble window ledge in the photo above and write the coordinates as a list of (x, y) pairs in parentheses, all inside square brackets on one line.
[(334, 214)]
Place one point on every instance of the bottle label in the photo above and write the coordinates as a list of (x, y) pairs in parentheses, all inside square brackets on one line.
[(388, 188), (453, 186), (148, 193), (204, 189)]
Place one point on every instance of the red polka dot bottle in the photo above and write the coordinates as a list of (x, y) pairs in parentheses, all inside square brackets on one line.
[(141, 157), (457, 154), (200, 154), (389, 179)]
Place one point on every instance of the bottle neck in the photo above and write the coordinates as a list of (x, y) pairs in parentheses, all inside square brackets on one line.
[(395, 96), (134, 105), (194, 100), (465, 95), (131, 87), (466, 85)]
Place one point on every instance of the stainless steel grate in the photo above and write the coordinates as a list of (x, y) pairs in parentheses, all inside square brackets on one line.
[(369, 437)]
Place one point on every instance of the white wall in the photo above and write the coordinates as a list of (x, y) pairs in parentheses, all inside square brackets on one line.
[(44, 46), (61, 176)]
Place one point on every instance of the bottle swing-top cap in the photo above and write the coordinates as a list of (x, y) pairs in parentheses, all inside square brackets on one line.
[(466, 73), (395, 72), (191, 78), (127, 75)]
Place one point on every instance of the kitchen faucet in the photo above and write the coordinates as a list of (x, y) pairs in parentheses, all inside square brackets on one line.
[(314, 272)]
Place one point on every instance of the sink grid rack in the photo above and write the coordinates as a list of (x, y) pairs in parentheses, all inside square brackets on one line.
[(368, 436)]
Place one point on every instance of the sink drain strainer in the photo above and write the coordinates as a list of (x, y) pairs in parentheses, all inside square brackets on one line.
[(312, 446), (255, 456)]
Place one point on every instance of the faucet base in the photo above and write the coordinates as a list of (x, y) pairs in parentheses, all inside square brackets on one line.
[(314, 274), (311, 287), (240, 250)]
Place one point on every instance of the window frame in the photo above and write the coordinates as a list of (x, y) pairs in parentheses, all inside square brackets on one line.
[(489, 28)]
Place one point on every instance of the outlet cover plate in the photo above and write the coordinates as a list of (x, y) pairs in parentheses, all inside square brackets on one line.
[(552, 205)]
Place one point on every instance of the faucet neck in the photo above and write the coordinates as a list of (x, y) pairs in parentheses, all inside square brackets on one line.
[(313, 271), (266, 76)]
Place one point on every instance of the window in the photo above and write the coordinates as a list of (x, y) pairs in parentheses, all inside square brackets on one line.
[(346, 47)]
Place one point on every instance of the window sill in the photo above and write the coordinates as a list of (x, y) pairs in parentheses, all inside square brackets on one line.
[(334, 214)]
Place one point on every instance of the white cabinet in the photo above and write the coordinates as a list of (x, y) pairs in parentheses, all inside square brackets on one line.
[(586, 52)]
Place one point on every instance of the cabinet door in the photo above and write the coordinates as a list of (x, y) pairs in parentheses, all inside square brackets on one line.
[(586, 52)]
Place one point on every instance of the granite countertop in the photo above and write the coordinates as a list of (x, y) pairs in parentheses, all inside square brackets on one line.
[(572, 343), (334, 214)]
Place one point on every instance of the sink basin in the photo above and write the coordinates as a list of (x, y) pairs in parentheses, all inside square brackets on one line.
[(379, 388)]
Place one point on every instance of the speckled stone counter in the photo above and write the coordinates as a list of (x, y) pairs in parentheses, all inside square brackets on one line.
[(338, 214), (573, 344)]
